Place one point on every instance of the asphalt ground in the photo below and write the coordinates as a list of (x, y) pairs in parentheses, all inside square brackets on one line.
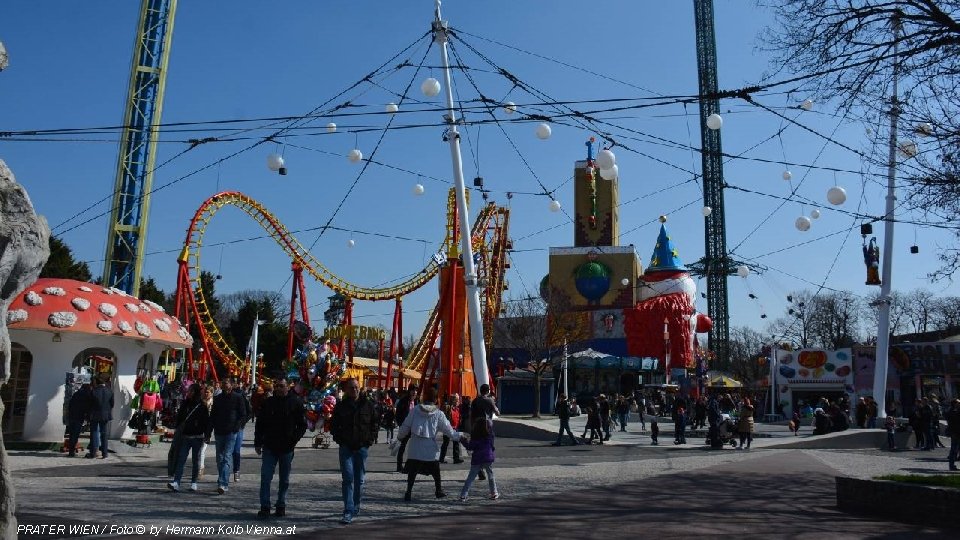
[(583, 491)]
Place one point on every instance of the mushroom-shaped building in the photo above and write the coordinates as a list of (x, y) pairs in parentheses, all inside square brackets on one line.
[(63, 330)]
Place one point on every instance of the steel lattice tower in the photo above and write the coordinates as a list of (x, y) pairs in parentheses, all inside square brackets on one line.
[(127, 234), (715, 265)]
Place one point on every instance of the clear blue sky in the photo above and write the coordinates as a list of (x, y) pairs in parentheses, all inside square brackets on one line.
[(70, 65)]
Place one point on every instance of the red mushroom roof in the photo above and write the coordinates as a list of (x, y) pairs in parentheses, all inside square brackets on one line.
[(67, 305)]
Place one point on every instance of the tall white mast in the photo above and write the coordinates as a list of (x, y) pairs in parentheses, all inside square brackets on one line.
[(478, 347)]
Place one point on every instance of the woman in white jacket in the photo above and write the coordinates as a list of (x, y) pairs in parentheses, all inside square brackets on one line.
[(424, 424)]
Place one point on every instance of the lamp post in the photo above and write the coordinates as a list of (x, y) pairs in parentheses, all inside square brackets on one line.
[(773, 377)]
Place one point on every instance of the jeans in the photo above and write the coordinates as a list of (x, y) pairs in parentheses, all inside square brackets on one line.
[(352, 470), (474, 471), (225, 443), (679, 433), (98, 437), (268, 464), (891, 440), (186, 445), (954, 449), (565, 426), (931, 438), (622, 418), (238, 444), (74, 430)]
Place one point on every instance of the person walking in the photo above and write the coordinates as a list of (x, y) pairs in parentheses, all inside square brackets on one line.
[(563, 411), (953, 431), (594, 423), (916, 424), (279, 427), (623, 410), (422, 426), (452, 411), (745, 424), (404, 406), (605, 416), (926, 424), (227, 417), (679, 423), (935, 416), (192, 429), (890, 424), (238, 443), (354, 427), (206, 395), (78, 411), (101, 413), (481, 444)]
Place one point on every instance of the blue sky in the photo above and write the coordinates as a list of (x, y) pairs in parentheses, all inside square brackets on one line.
[(70, 65)]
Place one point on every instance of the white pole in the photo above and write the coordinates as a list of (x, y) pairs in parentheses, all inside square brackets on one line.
[(253, 355), (566, 385), (478, 348), (773, 378), (883, 326)]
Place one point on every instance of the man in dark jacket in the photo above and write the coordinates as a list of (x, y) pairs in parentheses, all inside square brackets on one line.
[(238, 444), (101, 413), (563, 411), (280, 426), (77, 411), (404, 406), (354, 427), (227, 416), (953, 431)]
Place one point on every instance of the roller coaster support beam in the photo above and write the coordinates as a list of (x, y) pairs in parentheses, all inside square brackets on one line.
[(348, 323), (185, 303), (297, 290), (396, 340), (380, 379), (470, 273)]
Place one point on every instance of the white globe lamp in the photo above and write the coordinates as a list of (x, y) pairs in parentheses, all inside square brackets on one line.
[(392, 108), (430, 87), (807, 104), (418, 189), (787, 175), (836, 195), (331, 128), (815, 214), (714, 121), (907, 148), (743, 270), (606, 159), (924, 129), (543, 131), (706, 211), (351, 243), (355, 155), (802, 223), (625, 281), (509, 107), (554, 205), (610, 174), (274, 162)]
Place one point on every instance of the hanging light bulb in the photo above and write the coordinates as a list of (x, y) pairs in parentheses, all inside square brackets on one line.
[(706, 211), (543, 131), (606, 159), (351, 243), (787, 175), (714, 121), (418, 189), (355, 155), (392, 107), (743, 270), (610, 174), (554, 205), (430, 87), (331, 128), (802, 223), (807, 104), (836, 195), (815, 214), (274, 162), (509, 107)]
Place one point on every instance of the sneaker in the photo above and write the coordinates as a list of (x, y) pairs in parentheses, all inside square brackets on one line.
[(494, 496), (236, 477), (193, 487), (280, 511), (463, 498), (221, 490), (174, 486), (264, 513), (346, 519)]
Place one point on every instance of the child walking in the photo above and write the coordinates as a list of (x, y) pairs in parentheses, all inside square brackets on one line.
[(890, 424), (481, 444)]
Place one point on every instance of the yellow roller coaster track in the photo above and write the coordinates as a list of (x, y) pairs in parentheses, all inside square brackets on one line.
[(297, 253)]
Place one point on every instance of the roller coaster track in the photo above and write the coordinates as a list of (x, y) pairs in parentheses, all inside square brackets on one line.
[(190, 255), (490, 244)]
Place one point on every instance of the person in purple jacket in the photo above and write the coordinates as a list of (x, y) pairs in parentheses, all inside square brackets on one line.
[(481, 444)]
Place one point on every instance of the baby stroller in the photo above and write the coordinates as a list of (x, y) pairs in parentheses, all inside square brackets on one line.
[(726, 430)]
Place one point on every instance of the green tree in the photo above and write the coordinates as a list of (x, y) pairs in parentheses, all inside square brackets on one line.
[(62, 264), (149, 290), (272, 337)]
